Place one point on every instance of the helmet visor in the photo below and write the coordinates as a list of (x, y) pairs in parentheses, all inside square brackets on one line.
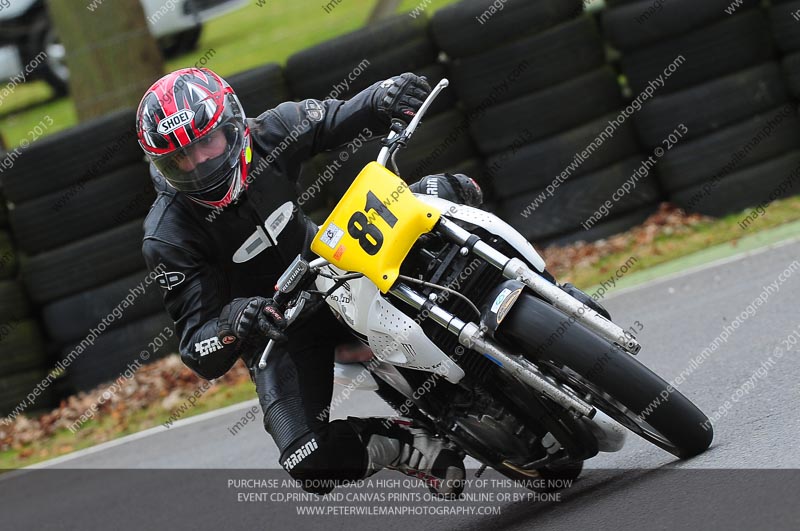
[(205, 162)]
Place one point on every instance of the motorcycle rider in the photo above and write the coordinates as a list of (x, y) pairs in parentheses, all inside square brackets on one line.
[(222, 175)]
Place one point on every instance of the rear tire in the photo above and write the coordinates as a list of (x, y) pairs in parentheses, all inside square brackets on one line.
[(632, 393)]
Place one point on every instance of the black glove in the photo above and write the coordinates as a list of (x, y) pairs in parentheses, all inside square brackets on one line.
[(469, 191), (402, 96), (454, 187), (244, 319)]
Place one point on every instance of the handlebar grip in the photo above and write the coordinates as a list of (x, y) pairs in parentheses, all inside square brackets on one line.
[(281, 298)]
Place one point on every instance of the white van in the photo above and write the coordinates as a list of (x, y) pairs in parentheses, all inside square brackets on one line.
[(26, 31)]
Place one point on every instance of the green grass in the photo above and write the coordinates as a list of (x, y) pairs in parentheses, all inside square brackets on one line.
[(668, 247), (244, 39)]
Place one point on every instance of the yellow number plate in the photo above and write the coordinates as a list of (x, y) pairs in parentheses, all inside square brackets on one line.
[(373, 227)]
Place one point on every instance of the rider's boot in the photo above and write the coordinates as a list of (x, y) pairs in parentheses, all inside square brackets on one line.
[(399, 443)]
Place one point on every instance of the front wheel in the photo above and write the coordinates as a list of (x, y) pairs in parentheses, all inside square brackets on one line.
[(608, 377)]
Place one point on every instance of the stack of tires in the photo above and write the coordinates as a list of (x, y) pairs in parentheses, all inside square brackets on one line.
[(534, 82), (378, 51), (78, 201), (260, 89), (342, 67), (729, 93), (23, 360), (785, 19)]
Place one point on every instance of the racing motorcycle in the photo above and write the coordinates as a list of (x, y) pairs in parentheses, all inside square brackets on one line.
[(472, 337)]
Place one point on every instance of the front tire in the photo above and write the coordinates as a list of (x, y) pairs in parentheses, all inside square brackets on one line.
[(619, 385)]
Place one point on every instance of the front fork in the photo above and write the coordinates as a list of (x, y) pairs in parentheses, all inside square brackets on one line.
[(471, 336), (516, 269)]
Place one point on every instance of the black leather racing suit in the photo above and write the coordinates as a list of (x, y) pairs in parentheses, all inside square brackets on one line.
[(196, 247)]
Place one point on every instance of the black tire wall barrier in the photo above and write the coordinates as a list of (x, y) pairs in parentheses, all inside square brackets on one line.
[(532, 85), (731, 94), (22, 348)]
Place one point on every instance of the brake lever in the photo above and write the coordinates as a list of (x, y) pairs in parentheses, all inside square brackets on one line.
[(395, 134), (408, 131), (262, 363), (301, 301), (290, 280)]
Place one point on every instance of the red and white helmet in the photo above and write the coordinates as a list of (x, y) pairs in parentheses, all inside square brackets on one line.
[(192, 127)]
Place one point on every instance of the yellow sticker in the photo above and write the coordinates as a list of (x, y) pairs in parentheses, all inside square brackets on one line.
[(378, 220)]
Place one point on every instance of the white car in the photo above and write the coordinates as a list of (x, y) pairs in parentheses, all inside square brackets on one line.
[(26, 31)]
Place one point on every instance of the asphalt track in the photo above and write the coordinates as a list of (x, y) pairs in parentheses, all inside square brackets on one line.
[(744, 481)]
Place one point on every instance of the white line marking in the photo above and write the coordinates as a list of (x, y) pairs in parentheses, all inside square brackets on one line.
[(702, 267), (141, 435)]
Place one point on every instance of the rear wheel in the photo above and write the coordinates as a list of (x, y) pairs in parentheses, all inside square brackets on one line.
[(611, 379)]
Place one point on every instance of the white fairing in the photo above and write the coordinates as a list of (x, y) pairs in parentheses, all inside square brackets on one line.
[(352, 300), (488, 221), (394, 337), (397, 339)]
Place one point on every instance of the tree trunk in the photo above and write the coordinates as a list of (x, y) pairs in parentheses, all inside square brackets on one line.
[(111, 55), (383, 9)]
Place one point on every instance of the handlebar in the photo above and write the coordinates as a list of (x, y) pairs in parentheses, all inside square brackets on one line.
[(280, 298), (262, 363), (292, 281), (387, 150), (393, 141)]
